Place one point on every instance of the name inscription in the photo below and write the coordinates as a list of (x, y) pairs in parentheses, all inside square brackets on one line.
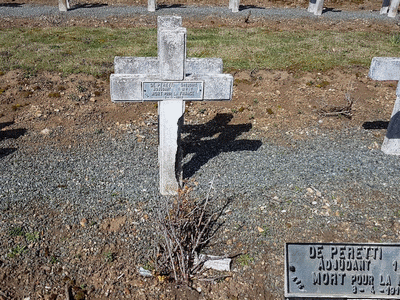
[(163, 90), (342, 270)]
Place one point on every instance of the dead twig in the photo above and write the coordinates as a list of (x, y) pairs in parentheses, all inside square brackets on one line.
[(345, 111)]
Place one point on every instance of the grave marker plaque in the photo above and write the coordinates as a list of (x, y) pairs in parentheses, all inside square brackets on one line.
[(357, 271)]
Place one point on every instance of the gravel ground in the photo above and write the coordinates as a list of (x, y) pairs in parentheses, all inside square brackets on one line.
[(103, 12), (252, 170)]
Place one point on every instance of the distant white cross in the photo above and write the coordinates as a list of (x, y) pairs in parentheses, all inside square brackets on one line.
[(170, 79), (388, 68)]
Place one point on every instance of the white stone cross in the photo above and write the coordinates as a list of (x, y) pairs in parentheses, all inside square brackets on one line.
[(388, 68), (170, 78)]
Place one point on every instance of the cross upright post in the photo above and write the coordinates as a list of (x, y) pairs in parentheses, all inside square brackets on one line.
[(151, 5), (388, 68), (170, 79), (234, 5), (316, 7)]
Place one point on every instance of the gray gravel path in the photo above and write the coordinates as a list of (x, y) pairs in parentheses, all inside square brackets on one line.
[(102, 12), (92, 177)]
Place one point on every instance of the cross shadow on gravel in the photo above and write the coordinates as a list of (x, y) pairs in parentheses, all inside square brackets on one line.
[(9, 134), (162, 6), (208, 140), (88, 5), (244, 7), (327, 9), (375, 125), (11, 4)]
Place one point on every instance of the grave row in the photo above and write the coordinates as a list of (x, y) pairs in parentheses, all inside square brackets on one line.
[(171, 79), (389, 7), (63, 5)]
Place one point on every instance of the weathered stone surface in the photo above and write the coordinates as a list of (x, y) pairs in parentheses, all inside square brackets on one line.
[(234, 5), (316, 7), (391, 143), (172, 53), (63, 5), (136, 65), (128, 88), (394, 5), (151, 5), (169, 22), (151, 65), (169, 153), (385, 68), (385, 7), (388, 68), (319, 7), (207, 66)]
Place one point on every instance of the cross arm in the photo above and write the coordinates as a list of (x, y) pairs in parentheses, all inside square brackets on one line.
[(385, 68), (129, 87), (151, 65)]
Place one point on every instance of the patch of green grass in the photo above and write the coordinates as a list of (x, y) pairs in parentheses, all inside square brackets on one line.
[(109, 256), (92, 50), (32, 237), (245, 260), (17, 231), (16, 251), (395, 39), (53, 260)]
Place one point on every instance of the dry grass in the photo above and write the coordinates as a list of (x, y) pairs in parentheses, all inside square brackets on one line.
[(92, 50)]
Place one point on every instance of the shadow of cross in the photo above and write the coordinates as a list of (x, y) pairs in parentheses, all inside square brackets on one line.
[(201, 142), (388, 68), (170, 79)]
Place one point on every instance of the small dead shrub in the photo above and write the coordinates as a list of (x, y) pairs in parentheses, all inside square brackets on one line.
[(186, 225)]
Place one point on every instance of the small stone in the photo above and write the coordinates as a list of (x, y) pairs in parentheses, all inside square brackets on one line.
[(145, 273), (310, 191), (92, 100), (260, 230), (45, 131), (319, 194), (83, 222)]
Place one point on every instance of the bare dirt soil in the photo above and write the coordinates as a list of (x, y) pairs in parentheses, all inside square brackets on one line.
[(277, 103)]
